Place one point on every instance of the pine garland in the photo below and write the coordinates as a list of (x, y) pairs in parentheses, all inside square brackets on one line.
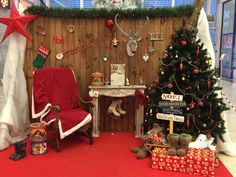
[(181, 11)]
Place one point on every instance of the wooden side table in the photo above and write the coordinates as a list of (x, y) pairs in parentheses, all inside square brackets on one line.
[(116, 91)]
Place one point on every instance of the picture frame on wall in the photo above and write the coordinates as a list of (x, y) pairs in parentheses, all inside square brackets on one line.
[(118, 74)]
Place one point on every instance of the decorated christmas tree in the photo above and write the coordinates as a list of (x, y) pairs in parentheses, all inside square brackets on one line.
[(185, 69)]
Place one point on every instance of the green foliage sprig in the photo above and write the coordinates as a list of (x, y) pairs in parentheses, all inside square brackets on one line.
[(181, 11)]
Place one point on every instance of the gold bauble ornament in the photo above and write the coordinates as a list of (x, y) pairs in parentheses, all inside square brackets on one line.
[(181, 66)]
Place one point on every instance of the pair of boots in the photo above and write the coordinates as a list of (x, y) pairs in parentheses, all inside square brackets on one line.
[(178, 143), (115, 108), (20, 151)]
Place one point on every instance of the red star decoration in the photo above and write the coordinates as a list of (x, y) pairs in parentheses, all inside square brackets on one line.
[(16, 23)]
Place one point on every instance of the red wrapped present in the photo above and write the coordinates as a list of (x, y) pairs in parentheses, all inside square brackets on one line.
[(196, 161)]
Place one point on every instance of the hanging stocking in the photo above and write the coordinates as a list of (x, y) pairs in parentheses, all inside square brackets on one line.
[(41, 57)]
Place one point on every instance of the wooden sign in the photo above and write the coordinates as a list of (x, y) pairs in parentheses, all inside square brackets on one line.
[(156, 36), (172, 104), (172, 111), (172, 97), (175, 118)]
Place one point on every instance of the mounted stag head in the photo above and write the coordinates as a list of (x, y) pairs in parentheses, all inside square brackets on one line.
[(132, 38)]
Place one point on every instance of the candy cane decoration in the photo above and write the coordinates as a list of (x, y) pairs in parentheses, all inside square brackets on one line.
[(228, 101)]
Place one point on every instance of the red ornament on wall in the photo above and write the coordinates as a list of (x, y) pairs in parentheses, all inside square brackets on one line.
[(109, 23)]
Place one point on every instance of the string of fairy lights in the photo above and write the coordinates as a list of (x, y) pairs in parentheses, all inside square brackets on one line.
[(185, 93), (184, 59)]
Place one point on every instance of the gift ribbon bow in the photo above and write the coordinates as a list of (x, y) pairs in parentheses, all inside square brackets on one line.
[(140, 98)]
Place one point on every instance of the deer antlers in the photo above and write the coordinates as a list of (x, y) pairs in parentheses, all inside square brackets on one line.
[(132, 38), (127, 34)]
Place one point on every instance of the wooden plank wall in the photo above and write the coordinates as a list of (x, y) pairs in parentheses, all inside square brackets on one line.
[(92, 39)]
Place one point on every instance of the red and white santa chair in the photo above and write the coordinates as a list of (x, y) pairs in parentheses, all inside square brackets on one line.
[(55, 100)]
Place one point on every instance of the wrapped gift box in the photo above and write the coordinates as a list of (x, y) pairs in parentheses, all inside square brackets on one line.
[(196, 161)]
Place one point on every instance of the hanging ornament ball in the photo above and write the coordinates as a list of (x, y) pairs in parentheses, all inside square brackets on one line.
[(200, 103), (192, 105), (109, 23), (198, 51), (170, 85), (189, 88), (196, 71), (181, 66), (183, 42), (209, 84), (183, 78), (165, 55)]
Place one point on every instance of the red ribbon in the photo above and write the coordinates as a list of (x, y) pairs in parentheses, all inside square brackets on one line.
[(140, 98)]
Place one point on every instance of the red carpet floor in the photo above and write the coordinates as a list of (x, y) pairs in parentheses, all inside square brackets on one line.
[(109, 156)]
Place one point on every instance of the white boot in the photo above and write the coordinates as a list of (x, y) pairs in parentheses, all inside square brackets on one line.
[(226, 147), (112, 108), (119, 109)]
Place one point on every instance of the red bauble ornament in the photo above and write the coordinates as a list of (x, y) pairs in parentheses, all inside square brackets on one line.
[(187, 123), (183, 42), (16, 23), (209, 84), (192, 105), (189, 88), (200, 103), (170, 85), (165, 55), (196, 71), (197, 52), (109, 23)]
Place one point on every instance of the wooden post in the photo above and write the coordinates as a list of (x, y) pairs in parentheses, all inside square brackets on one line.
[(171, 125)]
